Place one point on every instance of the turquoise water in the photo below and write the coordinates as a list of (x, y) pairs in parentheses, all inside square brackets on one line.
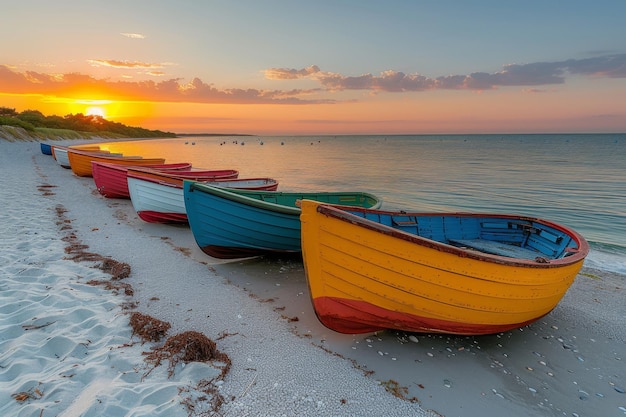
[(576, 180)]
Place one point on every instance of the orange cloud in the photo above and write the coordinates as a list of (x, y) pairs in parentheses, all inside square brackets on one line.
[(79, 86)]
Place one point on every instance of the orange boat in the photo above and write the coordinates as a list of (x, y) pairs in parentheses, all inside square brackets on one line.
[(80, 161), (458, 273)]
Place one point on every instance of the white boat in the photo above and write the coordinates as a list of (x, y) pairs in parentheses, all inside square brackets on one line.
[(60, 155), (156, 202), (158, 197)]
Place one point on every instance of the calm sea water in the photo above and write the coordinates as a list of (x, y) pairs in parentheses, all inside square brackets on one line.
[(576, 180)]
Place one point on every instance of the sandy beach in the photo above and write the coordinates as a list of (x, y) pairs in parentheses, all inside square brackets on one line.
[(67, 348)]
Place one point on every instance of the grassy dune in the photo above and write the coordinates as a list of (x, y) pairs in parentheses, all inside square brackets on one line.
[(13, 134)]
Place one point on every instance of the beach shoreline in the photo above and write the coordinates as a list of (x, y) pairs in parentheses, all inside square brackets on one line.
[(284, 362)]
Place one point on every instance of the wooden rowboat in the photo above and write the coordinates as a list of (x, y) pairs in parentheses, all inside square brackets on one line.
[(456, 273), (80, 161), (46, 148), (157, 196), (229, 223), (111, 181), (60, 153)]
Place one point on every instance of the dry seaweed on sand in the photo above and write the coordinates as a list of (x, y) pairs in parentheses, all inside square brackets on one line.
[(118, 270), (190, 346), (116, 287), (149, 329), (31, 394)]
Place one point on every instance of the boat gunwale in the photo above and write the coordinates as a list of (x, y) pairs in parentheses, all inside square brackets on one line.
[(148, 174), (241, 196), (342, 213), (124, 168), (107, 157)]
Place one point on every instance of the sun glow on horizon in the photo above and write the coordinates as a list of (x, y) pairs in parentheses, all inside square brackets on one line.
[(93, 107), (95, 111)]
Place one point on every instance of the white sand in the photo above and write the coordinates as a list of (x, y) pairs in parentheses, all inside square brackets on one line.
[(73, 360), (78, 359)]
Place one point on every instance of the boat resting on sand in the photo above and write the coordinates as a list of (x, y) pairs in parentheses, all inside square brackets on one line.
[(60, 154), (456, 273), (111, 181), (157, 196), (46, 148), (229, 223), (176, 178), (80, 161)]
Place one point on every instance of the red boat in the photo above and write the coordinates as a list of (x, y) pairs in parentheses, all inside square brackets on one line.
[(176, 178), (110, 178)]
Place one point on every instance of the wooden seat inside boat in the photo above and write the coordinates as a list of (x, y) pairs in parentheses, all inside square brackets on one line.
[(497, 248)]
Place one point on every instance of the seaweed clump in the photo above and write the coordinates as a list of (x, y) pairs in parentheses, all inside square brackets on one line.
[(190, 346), (117, 270), (149, 329)]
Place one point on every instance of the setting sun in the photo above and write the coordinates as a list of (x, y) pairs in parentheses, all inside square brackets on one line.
[(95, 111)]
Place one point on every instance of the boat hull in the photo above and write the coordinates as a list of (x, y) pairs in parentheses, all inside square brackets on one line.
[(157, 196), (111, 179), (240, 223), (60, 155), (46, 148), (80, 161), (365, 277), (156, 202), (176, 178), (163, 201)]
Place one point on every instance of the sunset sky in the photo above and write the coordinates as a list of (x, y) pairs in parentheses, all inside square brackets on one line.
[(279, 67)]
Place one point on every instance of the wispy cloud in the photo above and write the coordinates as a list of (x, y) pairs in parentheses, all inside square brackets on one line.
[(522, 75), (290, 74), (112, 63), (133, 35)]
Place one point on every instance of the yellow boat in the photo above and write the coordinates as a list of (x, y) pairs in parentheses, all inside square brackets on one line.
[(80, 161), (456, 273)]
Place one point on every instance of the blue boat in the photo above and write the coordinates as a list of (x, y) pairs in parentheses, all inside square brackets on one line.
[(46, 148), (233, 223)]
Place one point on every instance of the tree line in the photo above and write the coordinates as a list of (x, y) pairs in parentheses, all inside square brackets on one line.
[(31, 120)]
